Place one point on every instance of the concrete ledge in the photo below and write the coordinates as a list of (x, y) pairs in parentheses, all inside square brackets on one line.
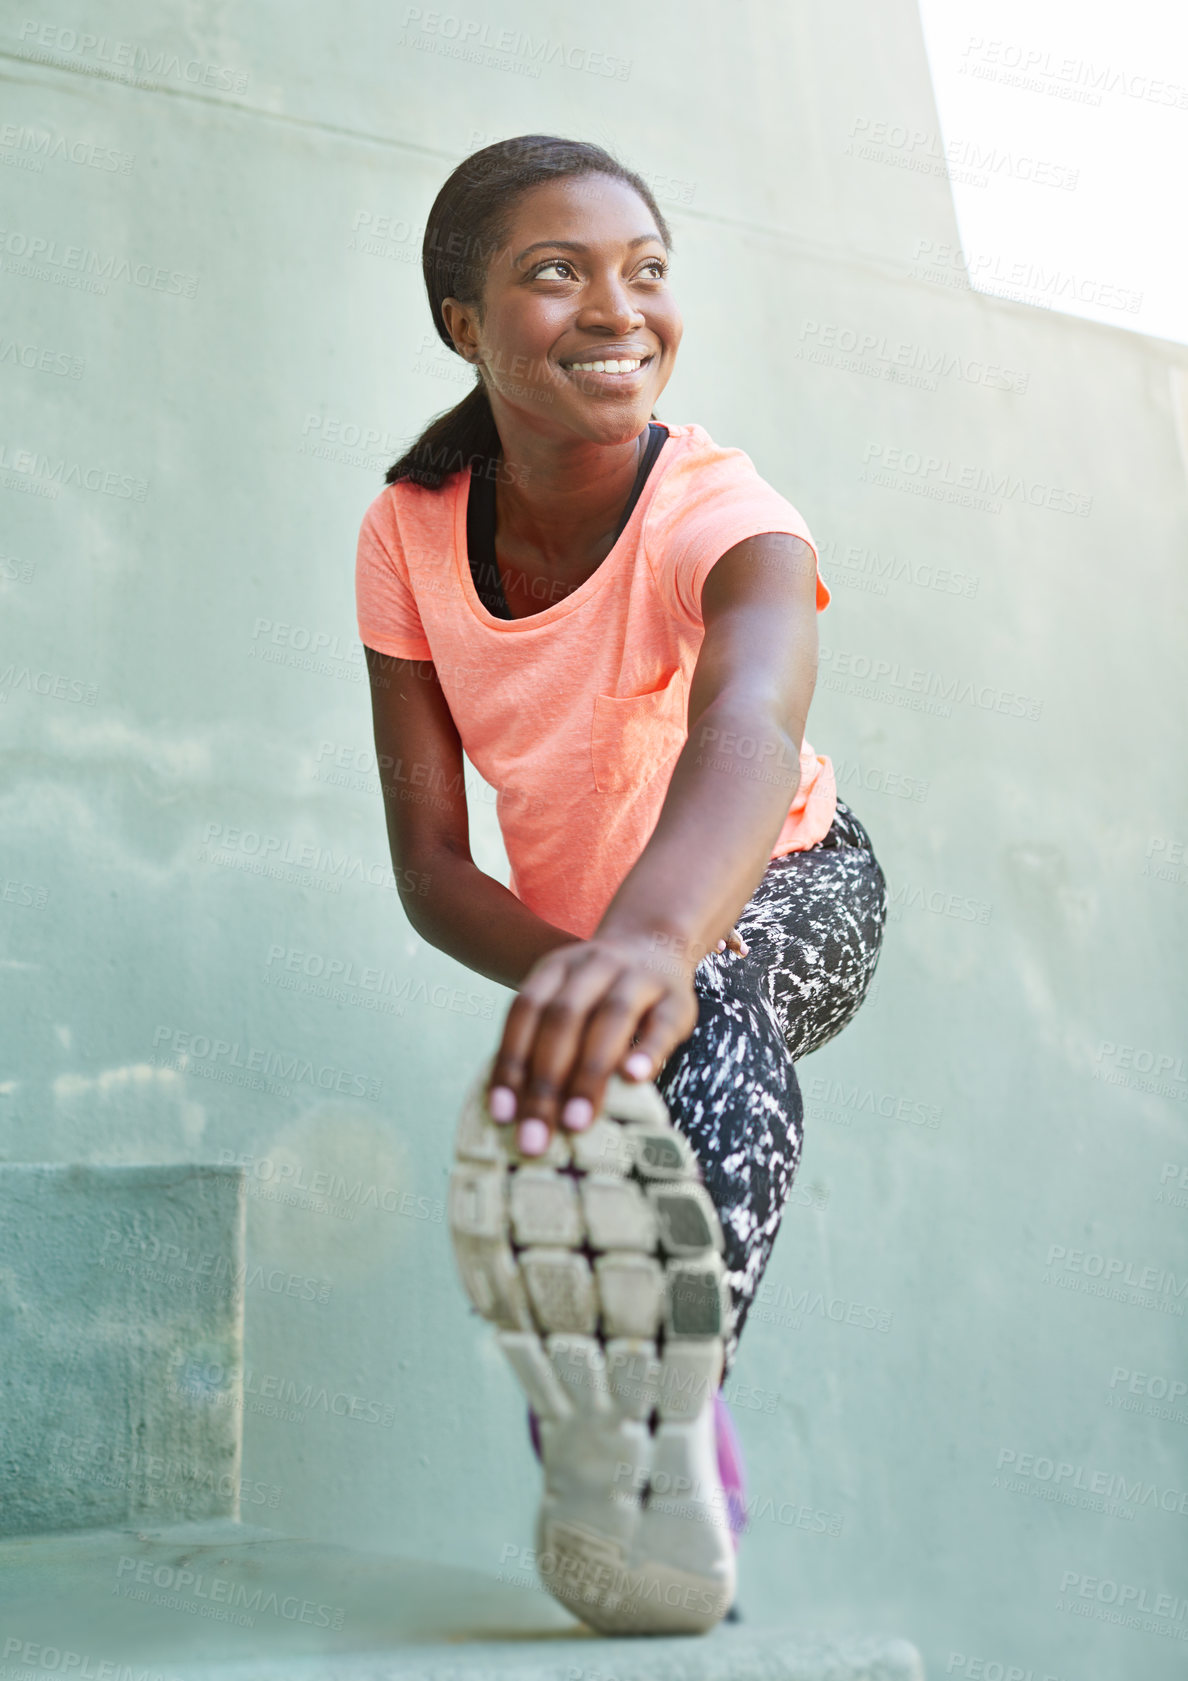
[(221, 1602), (114, 1283)]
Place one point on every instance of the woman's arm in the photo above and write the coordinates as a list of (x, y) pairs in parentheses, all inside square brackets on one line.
[(463, 911), (740, 768), (578, 1013)]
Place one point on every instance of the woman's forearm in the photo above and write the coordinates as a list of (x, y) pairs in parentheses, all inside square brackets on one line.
[(469, 915), (726, 804)]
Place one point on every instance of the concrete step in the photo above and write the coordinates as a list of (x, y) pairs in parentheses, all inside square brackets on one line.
[(219, 1601), (114, 1283)]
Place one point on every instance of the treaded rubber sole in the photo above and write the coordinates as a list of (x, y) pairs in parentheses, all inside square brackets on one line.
[(600, 1264)]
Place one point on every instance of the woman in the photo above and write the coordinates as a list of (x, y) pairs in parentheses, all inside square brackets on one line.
[(616, 619)]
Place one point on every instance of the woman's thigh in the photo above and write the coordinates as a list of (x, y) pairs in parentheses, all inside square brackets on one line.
[(814, 927), (732, 1090)]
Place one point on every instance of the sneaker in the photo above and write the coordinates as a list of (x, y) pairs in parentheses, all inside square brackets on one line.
[(730, 1470), (600, 1264)]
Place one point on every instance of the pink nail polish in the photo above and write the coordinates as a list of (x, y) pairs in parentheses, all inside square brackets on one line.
[(532, 1137), (577, 1114), (501, 1101), (639, 1064)]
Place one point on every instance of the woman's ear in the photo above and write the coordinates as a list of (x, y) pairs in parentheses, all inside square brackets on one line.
[(460, 324)]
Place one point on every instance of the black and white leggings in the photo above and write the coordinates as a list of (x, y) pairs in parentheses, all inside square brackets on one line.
[(814, 926)]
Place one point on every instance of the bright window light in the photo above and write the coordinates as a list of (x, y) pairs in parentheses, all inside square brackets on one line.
[(1064, 128)]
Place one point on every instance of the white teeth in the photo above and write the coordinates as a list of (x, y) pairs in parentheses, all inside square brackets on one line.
[(604, 367)]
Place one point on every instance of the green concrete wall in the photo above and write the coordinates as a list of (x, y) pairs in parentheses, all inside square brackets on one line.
[(962, 1392), (118, 1285)]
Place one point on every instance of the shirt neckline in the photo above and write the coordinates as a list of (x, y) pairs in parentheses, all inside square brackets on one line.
[(578, 597)]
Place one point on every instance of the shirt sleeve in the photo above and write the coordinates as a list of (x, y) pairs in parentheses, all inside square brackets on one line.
[(384, 602), (705, 507)]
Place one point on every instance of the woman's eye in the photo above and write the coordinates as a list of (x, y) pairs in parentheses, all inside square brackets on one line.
[(657, 268), (554, 263)]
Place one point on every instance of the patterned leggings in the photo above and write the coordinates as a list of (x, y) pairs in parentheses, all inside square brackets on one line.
[(814, 925)]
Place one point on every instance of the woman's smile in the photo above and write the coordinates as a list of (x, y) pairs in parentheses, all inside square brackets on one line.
[(606, 371)]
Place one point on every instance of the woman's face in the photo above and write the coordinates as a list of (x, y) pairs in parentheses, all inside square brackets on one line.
[(581, 280)]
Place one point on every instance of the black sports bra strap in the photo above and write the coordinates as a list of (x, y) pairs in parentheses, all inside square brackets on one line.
[(480, 525)]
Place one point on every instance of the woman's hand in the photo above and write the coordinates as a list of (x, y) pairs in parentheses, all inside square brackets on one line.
[(610, 1004)]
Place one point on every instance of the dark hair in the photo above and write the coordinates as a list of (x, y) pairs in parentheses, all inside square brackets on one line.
[(470, 220)]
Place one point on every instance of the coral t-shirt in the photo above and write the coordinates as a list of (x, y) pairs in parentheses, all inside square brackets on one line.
[(577, 714)]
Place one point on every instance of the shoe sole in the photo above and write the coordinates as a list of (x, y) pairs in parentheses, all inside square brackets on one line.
[(600, 1265)]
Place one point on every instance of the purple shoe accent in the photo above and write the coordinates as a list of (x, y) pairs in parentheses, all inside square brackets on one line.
[(730, 1463), (730, 1468)]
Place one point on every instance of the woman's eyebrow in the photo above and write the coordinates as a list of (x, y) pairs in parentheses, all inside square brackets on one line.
[(575, 245)]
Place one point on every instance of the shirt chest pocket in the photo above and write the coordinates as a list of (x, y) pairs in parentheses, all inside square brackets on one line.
[(635, 736)]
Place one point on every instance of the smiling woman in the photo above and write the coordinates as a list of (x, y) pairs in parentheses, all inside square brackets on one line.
[(615, 619)]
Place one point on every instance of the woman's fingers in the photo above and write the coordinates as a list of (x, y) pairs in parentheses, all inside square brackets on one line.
[(507, 1095), (542, 1038), (661, 1030), (559, 1032), (568, 1029), (630, 1021)]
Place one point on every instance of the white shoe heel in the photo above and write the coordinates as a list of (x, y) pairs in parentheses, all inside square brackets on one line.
[(600, 1265)]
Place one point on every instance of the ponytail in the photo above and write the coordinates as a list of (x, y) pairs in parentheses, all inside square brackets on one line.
[(464, 436), (469, 222)]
